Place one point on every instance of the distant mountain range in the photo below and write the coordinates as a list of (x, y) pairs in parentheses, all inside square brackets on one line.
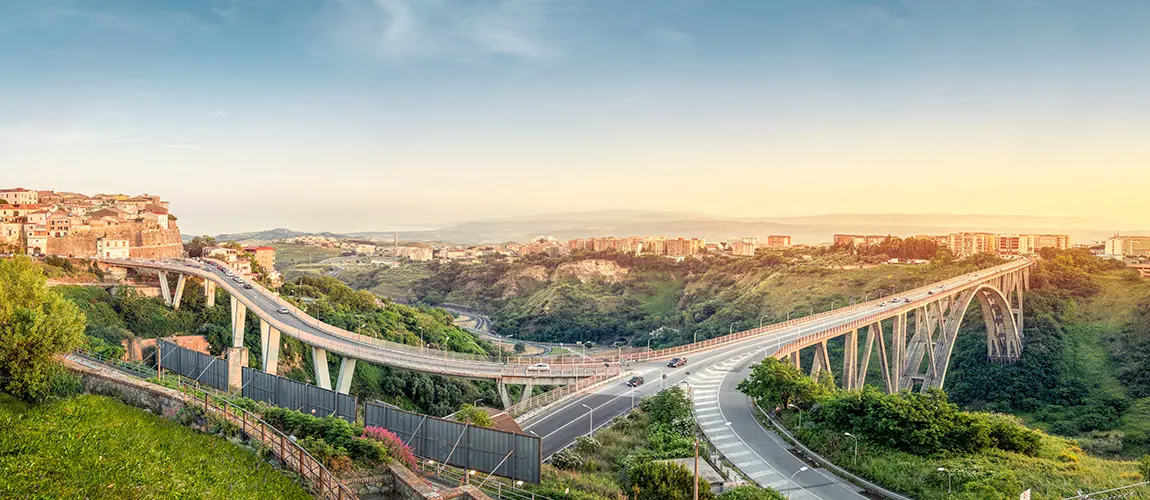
[(806, 229)]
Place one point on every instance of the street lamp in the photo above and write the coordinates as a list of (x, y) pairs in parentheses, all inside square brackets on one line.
[(947, 471), (789, 314), (732, 328), (801, 469), (789, 405), (761, 321), (696, 336), (421, 343), (591, 420), (856, 438)]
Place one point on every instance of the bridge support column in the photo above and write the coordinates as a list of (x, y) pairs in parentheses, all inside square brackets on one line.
[(209, 293), (795, 360), (239, 320), (164, 292), (503, 397), (319, 359), (528, 388), (822, 360), (237, 360), (850, 360), (179, 295), (269, 347), (346, 372)]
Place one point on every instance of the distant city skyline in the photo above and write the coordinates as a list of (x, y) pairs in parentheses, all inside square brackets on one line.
[(378, 115)]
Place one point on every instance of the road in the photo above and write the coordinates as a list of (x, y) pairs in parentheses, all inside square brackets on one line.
[(714, 381)]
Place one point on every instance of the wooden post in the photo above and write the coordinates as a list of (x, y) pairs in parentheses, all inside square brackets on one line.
[(696, 467)]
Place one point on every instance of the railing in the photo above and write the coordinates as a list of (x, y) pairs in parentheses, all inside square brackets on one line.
[(294, 457), (557, 394), (494, 487)]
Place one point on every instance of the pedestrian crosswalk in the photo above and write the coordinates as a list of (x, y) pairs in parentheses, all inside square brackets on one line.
[(705, 388)]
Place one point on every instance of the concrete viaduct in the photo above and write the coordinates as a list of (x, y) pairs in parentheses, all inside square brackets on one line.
[(324, 338)]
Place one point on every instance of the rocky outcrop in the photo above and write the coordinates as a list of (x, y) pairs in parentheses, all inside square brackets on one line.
[(145, 241), (591, 270)]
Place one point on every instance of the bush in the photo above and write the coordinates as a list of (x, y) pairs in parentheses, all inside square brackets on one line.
[(474, 415), (567, 459), (751, 493), (664, 481), (63, 384), (395, 447)]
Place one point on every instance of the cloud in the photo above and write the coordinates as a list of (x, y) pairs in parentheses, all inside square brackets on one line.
[(447, 29)]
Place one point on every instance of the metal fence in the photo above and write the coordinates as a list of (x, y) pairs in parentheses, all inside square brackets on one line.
[(293, 395), (489, 451), (197, 366)]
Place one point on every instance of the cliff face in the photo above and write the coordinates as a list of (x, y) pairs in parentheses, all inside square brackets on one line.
[(146, 241), (592, 270)]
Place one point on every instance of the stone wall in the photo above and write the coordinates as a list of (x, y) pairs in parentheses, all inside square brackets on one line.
[(146, 241), (403, 484), (99, 379)]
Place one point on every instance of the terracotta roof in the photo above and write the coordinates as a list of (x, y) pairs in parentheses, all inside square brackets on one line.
[(14, 190), (260, 248), (26, 206)]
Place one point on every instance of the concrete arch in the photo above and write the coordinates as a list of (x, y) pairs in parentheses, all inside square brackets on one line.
[(1003, 332)]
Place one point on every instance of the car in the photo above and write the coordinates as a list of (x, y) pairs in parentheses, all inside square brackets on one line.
[(677, 362), (930, 292), (635, 381), (238, 279), (539, 366), (282, 310), (247, 286), (906, 300), (882, 304)]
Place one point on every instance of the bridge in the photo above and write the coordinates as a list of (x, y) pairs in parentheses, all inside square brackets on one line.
[(279, 316), (900, 331)]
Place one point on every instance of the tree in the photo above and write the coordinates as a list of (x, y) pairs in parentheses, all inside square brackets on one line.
[(748, 492), (36, 324), (475, 415), (195, 247), (665, 481), (777, 383), (520, 347)]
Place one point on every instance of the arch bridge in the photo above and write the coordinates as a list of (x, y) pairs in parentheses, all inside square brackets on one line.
[(913, 334)]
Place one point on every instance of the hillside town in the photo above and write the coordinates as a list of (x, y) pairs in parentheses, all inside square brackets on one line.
[(45, 222)]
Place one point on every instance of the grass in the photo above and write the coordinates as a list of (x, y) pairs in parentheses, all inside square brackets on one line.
[(289, 255), (97, 447), (1059, 469)]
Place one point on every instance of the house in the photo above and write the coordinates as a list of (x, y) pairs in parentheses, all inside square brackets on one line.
[(59, 223), (160, 219), (107, 248), (265, 256), (37, 242)]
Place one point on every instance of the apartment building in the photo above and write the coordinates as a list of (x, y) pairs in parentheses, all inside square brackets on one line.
[(1128, 246)]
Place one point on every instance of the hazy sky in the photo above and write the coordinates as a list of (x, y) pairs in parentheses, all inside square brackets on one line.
[(381, 114)]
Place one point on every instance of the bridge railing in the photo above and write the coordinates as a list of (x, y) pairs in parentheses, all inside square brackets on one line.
[(755, 332), (554, 395)]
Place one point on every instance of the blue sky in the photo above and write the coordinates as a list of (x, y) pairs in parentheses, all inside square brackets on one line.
[(379, 114)]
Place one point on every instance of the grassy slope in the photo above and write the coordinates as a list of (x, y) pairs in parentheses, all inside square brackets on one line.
[(289, 255), (97, 447), (987, 475)]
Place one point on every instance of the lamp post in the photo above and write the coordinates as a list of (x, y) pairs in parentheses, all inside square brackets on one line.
[(789, 314), (590, 420), (421, 343), (801, 469), (856, 438), (800, 414), (696, 337), (761, 318), (732, 328), (947, 471)]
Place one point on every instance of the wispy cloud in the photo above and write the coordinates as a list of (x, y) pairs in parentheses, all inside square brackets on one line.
[(423, 29)]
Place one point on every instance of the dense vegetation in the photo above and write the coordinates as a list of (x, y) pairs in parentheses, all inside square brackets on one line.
[(902, 439), (1083, 369), (36, 324), (604, 296), (97, 447), (625, 458)]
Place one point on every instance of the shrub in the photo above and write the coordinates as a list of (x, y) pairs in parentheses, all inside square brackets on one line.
[(747, 492), (396, 448), (664, 481), (567, 459), (474, 415)]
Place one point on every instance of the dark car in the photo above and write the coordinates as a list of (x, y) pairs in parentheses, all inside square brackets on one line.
[(247, 286), (677, 362), (635, 381)]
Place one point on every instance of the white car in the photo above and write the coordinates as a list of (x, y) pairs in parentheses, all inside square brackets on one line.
[(283, 310), (539, 366)]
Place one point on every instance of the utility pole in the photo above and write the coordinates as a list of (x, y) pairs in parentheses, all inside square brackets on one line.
[(696, 467)]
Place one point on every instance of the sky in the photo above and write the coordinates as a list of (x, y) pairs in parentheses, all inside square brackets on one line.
[(349, 115)]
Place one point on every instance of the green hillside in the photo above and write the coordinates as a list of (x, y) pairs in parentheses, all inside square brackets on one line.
[(97, 447)]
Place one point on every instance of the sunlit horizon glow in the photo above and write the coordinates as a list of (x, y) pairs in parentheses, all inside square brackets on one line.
[(360, 115)]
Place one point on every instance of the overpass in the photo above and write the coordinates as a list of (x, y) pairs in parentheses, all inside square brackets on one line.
[(901, 330), (278, 316)]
